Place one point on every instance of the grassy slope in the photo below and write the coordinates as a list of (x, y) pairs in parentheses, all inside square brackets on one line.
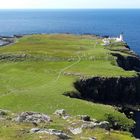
[(15, 131), (38, 85)]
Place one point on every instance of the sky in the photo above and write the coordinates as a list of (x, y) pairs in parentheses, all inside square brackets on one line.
[(68, 4)]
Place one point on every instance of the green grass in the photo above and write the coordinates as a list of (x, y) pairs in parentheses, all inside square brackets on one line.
[(34, 86), (37, 83), (20, 131)]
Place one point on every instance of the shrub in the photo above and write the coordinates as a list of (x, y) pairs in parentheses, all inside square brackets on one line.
[(119, 123)]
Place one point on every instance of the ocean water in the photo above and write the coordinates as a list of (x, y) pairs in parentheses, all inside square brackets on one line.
[(100, 22)]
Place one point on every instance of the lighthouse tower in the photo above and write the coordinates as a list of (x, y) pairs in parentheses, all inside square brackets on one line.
[(121, 37)]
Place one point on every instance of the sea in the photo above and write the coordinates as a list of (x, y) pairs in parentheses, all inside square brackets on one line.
[(101, 22)]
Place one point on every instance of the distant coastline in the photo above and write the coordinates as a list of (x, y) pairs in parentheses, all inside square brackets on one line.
[(8, 40)]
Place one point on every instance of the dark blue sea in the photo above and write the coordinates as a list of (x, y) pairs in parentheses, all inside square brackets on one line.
[(100, 22)]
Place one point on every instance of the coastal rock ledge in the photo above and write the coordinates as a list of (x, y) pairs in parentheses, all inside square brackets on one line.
[(116, 90)]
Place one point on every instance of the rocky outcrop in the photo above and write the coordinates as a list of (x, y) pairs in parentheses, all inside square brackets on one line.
[(4, 112), (32, 117), (5, 40), (93, 125), (55, 132), (92, 138), (115, 90), (13, 57), (75, 131), (131, 62), (62, 113), (85, 118)]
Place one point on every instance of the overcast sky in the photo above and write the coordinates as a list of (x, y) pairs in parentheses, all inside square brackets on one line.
[(61, 4)]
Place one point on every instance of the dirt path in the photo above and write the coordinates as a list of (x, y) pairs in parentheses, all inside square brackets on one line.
[(60, 73)]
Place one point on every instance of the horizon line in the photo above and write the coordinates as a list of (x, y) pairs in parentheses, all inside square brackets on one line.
[(70, 8)]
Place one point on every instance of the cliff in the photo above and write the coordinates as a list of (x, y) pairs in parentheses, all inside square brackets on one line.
[(128, 62), (110, 90), (113, 90)]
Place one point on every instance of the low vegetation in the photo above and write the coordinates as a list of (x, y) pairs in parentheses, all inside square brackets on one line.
[(37, 70)]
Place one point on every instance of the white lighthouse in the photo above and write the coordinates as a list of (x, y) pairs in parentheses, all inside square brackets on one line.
[(120, 39)]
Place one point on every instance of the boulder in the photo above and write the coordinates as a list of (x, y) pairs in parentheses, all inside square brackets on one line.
[(3, 112), (85, 118), (62, 113), (32, 117), (89, 125), (88, 138), (75, 131), (55, 132), (92, 125), (35, 130), (104, 125), (66, 117), (92, 138)]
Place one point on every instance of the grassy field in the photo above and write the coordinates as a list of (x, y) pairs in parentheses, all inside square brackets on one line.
[(38, 69)]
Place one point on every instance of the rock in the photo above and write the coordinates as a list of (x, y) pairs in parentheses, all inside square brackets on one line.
[(99, 88), (3, 112), (85, 118), (92, 138), (92, 125), (34, 130), (65, 117), (131, 113), (32, 117), (58, 133), (75, 131), (86, 138), (94, 120), (62, 113), (104, 125)]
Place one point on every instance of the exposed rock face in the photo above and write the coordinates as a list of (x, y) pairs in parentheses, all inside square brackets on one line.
[(75, 131), (35, 130), (58, 133), (62, 113), (11, 57), (85, 118), (32, 117), (86, 138), (3, 112), (110, 90), (104, 125), (115, 90), (92, 138), (6, 40), (93, 125), (128, 62)]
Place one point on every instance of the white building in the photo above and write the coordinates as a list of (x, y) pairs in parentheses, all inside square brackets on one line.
[(106, 42), (120, 39)]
